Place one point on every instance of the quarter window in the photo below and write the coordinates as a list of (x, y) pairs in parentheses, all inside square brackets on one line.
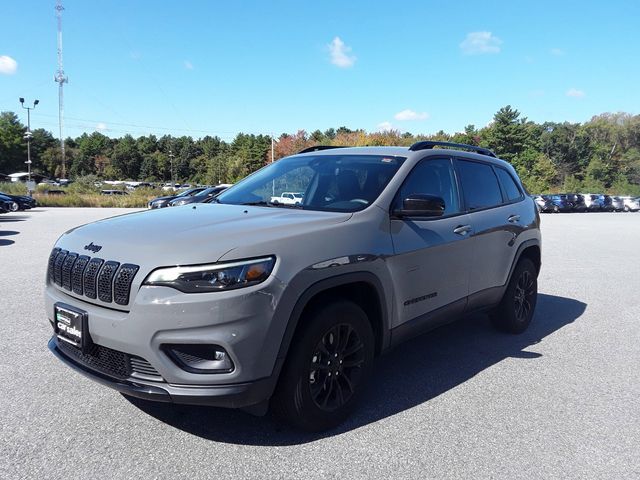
[(509, 186), (479, 185), (432, 177)]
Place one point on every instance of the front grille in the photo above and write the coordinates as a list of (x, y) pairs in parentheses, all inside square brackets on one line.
[(110, 362), (94, 278), (99, 358)]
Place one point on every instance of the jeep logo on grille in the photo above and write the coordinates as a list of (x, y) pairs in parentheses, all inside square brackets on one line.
[(93, 248)]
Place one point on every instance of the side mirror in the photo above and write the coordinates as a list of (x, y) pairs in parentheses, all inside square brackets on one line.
[(419, 205)]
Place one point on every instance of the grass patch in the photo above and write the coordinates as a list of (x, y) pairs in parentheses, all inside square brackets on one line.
[(93, 200)]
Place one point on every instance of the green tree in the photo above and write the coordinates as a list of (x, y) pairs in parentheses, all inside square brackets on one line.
[(13, 149), (508, 135)]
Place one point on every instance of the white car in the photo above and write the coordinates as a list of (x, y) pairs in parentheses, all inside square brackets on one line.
[(631, 204), (288, 198)]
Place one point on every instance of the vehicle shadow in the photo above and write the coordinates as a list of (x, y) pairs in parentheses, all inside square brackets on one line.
[(7, 217), (418, 371)]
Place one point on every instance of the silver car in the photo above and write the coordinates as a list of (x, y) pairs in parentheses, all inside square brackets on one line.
[(248, 303)]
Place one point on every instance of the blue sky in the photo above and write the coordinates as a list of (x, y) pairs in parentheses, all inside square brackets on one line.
[(210, 67)]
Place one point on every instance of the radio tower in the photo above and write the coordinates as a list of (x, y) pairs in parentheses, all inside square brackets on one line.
[(61, 79)]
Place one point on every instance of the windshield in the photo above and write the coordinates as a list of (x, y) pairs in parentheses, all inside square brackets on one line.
[(337, 183)]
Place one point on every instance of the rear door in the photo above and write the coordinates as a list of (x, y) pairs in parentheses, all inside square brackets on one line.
[(493, 201), (430, 267)]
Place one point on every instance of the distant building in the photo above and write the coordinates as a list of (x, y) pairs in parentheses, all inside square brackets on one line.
[(24, 176)]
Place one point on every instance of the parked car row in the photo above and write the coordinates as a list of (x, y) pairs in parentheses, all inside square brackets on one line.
[(13, 203), (586, 202), (191, 195)]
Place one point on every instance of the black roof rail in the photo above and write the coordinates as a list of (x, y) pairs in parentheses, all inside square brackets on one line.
[(317, 148), (428, 145)]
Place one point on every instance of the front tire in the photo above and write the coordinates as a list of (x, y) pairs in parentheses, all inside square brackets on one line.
[(330, 361), (14, 207), (518, 304)]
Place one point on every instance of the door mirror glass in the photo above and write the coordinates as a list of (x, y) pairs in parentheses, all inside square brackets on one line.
[(420, 205)]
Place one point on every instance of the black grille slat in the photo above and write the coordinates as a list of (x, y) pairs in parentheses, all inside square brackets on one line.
[(67, 266), (52, 260), (76, 274), (105, 281), (122, 283), (57, 266), (95, 278), (141, 366), (90, 275)]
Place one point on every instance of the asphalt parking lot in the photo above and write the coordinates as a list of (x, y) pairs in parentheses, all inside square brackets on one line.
[(560, 401)]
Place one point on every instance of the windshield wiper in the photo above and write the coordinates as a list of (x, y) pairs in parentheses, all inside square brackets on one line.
[(263, 203)]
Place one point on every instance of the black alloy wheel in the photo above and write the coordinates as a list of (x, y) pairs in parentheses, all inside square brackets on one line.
[(524, 295), (515, 311), (336, 367), (327, 367)]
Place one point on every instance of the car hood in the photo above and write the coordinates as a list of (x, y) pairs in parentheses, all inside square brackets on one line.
[(165, 198), (191, 234)]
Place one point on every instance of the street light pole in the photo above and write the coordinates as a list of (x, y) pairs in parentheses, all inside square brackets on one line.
[(28, 135), (171, 167)]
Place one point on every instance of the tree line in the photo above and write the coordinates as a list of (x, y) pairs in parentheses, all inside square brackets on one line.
[(601, 155)]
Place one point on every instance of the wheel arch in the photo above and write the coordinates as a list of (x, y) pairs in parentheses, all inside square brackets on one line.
[(362, 288)]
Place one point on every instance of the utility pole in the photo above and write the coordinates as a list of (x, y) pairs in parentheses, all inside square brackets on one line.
[(60, 78), (28, 135)]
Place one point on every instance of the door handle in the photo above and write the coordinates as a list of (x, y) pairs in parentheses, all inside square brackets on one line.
[(462, 229), (514, 218)]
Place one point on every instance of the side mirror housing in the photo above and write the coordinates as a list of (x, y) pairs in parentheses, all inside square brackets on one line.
[(421, 206)]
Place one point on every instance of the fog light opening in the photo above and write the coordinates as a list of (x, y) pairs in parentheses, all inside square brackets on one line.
[(198, 358)]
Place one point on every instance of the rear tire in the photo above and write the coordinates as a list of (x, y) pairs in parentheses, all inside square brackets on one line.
[(327, 368), (14, 207), (518, 304)]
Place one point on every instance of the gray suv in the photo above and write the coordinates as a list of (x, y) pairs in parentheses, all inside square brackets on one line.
[(247, 303)]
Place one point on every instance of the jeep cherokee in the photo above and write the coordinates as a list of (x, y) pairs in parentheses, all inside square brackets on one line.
[(247, 303)]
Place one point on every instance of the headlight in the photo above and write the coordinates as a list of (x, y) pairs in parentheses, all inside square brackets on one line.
[(213, 277), (177, 203)]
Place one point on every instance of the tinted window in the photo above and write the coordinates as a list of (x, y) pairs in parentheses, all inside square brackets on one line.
[(432, 177), (479, 185), (509, 186)]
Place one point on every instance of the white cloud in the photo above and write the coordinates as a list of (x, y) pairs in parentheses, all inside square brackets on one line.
[(8, 65), (101, 126), (340, 54), (558, 52), (478, 43), (575, 93), (410, 115), (188, 65), (385, 127)]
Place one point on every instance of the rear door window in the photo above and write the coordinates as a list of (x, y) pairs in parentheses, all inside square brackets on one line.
[(509, 186), (479, 185)]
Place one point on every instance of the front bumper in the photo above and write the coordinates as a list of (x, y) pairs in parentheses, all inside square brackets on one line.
[(230, 396), (240, 321)]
